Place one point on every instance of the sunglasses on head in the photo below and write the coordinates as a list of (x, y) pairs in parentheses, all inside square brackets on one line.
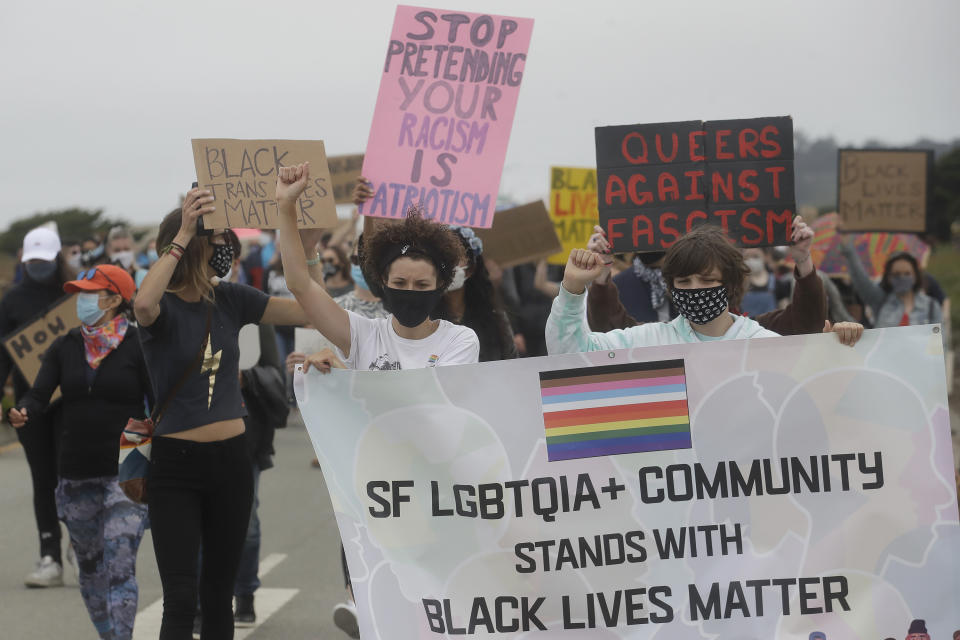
[(90, 273)]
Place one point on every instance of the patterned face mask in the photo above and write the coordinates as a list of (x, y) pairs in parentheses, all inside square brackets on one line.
[(700, 306), (222, 259)]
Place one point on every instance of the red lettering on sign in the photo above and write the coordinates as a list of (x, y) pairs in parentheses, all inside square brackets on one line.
[(749, 226), (775, 172), (693, 217), (641, 198), (614, 188), (771, 148), (583, 203), (774, 218), (667, 185), (748, 143), (625, 148), (722, 135), (556, 206), (749, 191), (696, 152), (722, 182), (612, 233), (676, 148), (668, 230), (642, 227), (694, 185), (723, 215)]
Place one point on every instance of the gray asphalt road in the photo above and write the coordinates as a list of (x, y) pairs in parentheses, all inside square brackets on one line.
[(299, 538)]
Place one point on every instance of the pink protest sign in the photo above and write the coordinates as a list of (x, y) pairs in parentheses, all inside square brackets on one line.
[(440, 130)]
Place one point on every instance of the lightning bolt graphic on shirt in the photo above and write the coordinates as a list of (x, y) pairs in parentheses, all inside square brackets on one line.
[(211, 364)]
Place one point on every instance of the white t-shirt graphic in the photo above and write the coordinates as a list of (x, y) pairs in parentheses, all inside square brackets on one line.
[(374, 345)]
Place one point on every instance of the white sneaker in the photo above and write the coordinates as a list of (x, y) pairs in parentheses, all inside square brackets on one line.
[(48, 573), (345, 617)]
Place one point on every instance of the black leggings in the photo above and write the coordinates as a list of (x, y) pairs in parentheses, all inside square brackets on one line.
[(199, 493), (40, 443)]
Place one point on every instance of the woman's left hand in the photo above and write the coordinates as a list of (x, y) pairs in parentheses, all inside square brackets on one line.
[(323, 361), (849, 333), (291, 182)]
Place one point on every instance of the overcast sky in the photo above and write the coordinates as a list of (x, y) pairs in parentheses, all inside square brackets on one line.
[(100, 98)]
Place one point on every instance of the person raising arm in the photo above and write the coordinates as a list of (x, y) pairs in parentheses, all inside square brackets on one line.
[(200, 481), (413, 262)]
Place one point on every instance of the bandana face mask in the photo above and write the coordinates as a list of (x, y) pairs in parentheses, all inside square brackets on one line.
[(700, 306), (222, 259)]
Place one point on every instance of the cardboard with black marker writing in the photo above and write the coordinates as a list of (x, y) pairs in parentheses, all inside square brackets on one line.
[(242, 175), (522, 234), (28, 344)]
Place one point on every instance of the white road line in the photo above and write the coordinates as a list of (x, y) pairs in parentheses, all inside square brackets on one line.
[(268, 602), (269, 563)]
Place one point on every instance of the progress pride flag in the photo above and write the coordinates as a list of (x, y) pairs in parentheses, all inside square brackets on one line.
[(447, 98), (658, 181)]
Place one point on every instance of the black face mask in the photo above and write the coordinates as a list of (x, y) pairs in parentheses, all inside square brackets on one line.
[(410, 307), (700, 306), (44, 272), (222, 259)]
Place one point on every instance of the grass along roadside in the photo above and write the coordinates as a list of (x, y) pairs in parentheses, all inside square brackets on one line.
[(944, 265)]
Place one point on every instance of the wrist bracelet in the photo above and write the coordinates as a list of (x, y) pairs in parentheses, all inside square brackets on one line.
[(175, 250), (182, 248), (314, 261)]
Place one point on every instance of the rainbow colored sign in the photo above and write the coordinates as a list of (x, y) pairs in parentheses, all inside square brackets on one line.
[(610, 410)]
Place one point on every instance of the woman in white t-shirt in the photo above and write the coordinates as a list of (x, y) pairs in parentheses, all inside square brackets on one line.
[(414, 261)]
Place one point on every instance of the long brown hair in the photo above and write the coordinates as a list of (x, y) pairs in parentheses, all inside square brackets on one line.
[(191, 270)]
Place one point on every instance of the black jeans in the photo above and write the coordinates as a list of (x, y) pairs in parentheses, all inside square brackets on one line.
[(198, 493), (40, 444)]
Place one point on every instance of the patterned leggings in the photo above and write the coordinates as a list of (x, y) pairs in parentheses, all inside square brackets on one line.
[(105, 530)]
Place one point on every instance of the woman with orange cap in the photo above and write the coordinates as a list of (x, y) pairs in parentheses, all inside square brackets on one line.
[(102, 376)]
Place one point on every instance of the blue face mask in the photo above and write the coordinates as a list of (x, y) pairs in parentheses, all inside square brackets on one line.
[(41, 271), (152, 256), (88, 308), (357, 274)]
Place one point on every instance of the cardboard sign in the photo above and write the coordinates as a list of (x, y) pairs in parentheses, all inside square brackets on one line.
[(27, 344), (242, 174), (884, 190), (573, 208), (658, 181), (750, 489), (344, 171), (522, 234), (447, 98)]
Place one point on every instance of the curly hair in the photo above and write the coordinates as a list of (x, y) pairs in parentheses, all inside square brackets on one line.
[(699, 251), (483, 311), (414, 237)]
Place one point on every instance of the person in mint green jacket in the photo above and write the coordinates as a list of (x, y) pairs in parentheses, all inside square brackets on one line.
[(705, 277)]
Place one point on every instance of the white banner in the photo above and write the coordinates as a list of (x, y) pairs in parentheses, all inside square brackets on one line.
[(760, 489)]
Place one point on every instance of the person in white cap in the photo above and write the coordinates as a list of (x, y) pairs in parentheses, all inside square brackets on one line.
[(42, 285)]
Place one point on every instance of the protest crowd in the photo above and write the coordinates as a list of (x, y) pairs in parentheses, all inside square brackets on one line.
[(157, 342), (386, 295)]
